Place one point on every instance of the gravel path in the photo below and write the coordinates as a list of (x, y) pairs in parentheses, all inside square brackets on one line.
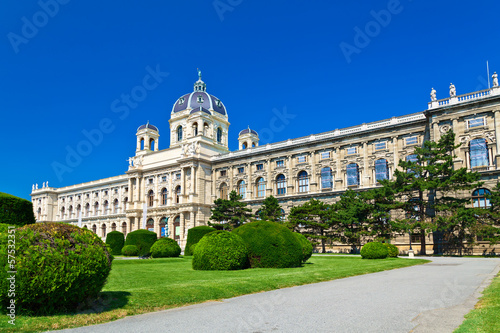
[(427, 298)]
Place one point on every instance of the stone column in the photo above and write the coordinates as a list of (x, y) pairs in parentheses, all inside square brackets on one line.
[(183, 182), (396, 154), (214, 194), (338, 177), (314, 183), (366, 173), (435, 130), (269, 183), (249, 182), (497, 136), (290, 186), (457, 162), (192, 191), (170, 188), (230, 175)]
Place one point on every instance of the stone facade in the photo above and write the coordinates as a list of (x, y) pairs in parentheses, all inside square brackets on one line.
[(173, 189)]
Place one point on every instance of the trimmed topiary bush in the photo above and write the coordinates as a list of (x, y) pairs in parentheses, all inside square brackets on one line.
[(307, 248), (194, 236), (220, 250), (165, 247), (115, 240), (374, 250), (270, 245), (143, 239), (392, 249), (15, 211), (60, 268), (130, 251)]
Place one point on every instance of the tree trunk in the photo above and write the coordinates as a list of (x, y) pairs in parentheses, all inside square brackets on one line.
[(422, 243)]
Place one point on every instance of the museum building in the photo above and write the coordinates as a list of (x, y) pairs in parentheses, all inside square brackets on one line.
[(171, 190)]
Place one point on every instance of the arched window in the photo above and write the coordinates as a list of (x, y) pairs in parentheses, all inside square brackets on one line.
[(219, 135), (125, 203), (152, 144), (96, 208), (94, 229), (178, 194), (479, 199), (142, 143), (115, 206), (223, 191), (242, 189), (303, 182), (150, 225), (195, 129), (282, 217), (179, 133), (411, 158), (103, 230), (164, 196), (124, 228), (244, 145), (261, 187), (280, 184), (177, 228), (381, 170), (326, 178), (87, 209), (105, 208), (151, 198), (39, 214), (164, 227), (254, 144), (352, 174), (205, 129), (70, 212), (63, 213), (113, 227), (478, 153)]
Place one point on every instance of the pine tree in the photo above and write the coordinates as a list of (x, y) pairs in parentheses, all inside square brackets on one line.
[(312, 219), (271, 210), (229, 214)]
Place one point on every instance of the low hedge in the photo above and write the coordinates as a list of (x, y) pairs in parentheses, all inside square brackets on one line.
[(307, 248), (60, 268), (220, 250), (130, 251), (374, 250), (16, 211), (194, 235), (164, 248), (270, 245), (115, 240), (393, 250), (143, 239)]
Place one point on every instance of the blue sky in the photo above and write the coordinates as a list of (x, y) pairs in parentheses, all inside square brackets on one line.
[(65, 63)]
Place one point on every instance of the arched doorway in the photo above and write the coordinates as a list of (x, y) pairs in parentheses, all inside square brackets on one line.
[(177, 228), (164, 227), (124, 228), (150, 225)]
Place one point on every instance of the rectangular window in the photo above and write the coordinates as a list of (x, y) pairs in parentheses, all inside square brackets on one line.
[(325, 155), (352, 174), (280, 163), (326, 178), (413, 140), (381, 170), (351, 150), (260, 166), (150, 181), (380, 145), (223, 173), (241, 170), (301, 159), (178, 176), (471, 123), (163, 179)]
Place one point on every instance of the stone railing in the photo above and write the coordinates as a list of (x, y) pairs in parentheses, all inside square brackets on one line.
[(322, 136), (477, 95)]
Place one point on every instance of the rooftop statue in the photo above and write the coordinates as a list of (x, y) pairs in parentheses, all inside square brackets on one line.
[(495, 79), (453, 91), (433, 94)]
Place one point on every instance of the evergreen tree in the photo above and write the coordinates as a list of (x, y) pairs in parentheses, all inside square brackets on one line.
[(380, 224), (312, 219), (271, 210), (229, 214), (350, 216), (428, 189)]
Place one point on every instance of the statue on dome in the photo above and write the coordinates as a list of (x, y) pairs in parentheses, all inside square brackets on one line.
[(199, 73), (130, 161), (36, 186), (47, 184), (433, 94), (495, 79), (33, 187), (453, 91), (43, 185)]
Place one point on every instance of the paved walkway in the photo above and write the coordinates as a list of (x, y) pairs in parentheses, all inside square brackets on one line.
[(427, 298)]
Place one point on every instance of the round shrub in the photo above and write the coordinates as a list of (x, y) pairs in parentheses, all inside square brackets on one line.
[(374, 250), (130, 250), (143, 239), (220, 250), (194, 236), (393, 250), (115, 240), (307, 248), (270, 245), (15, 211), (165, 247), (60, 268)]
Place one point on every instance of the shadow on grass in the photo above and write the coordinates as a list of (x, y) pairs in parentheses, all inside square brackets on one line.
[(107, 301)]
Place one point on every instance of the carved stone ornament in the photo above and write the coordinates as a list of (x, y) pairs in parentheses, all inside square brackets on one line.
[(444, 129), (465, 139), (490, 136)]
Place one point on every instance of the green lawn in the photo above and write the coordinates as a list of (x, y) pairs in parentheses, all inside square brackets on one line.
[(139, 286), (486, 315)]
